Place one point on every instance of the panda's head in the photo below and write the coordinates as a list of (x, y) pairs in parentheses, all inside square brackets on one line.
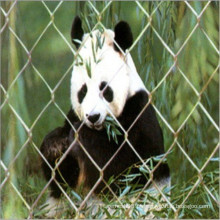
[(102, 76)]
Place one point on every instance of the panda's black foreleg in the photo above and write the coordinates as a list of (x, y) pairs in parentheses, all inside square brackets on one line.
[(53, 147)]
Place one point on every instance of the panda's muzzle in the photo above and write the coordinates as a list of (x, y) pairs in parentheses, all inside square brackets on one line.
[(94, 121), (94, 118)]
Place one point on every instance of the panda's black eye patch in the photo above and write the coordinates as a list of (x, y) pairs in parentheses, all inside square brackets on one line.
[(108, 93), (102, 85), (82, 93)]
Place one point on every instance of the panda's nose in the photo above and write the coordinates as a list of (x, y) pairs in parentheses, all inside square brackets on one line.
[(94, 118)]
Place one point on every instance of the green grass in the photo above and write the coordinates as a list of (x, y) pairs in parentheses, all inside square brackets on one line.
[(175, 99)]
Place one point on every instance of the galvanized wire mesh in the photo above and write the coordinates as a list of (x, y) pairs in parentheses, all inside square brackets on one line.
[(8, 93)]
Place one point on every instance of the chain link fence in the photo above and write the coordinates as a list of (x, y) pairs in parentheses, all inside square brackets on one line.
[(176, 52)]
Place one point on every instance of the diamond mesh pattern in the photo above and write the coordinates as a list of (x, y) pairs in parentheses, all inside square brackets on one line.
[(176, 71)]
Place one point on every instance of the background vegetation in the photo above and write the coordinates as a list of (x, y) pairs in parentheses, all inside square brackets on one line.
[(174, 98)]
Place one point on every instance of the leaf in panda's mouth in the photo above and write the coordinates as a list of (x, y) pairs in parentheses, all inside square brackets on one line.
[(112, 128)]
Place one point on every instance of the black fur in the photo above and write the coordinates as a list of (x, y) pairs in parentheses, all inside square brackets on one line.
[(108, 92), (53, 147), (123, 36), (82, 93), (77, 31), (145, 136)]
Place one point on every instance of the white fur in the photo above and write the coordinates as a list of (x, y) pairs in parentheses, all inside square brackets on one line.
[(54, 207), (118, 71)]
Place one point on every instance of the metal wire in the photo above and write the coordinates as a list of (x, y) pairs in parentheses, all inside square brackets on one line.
[(28, 130)]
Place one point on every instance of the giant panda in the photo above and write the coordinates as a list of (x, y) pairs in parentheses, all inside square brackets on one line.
[(104, 83)]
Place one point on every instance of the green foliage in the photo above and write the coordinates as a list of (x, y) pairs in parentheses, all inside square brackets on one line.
[(150, 204), (88, 68), (112, 129)]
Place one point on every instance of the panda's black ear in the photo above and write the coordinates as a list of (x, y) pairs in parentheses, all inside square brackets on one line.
[(77, 31), (123, 36)]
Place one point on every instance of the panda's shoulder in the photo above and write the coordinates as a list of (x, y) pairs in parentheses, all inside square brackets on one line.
[(135, 103)]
